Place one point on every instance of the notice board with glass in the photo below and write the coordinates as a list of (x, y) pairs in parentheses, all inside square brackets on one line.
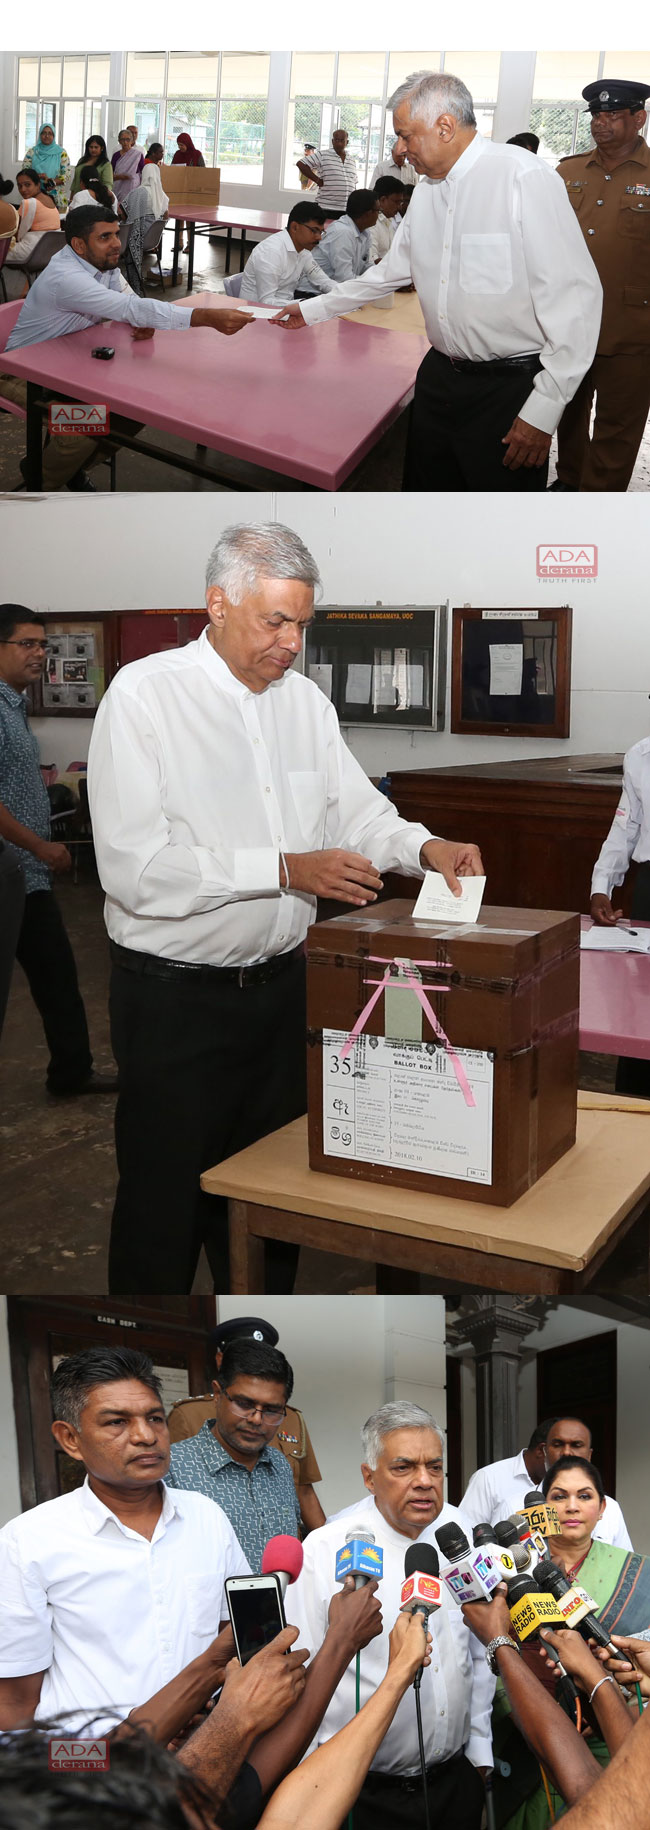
[(511, 672), (380, 666)]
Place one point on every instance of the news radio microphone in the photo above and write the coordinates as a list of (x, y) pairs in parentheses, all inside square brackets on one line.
[(530, 1609), (471, 1575), (575, 1605), (283, 1557), (360, 1557), (543, 1518)]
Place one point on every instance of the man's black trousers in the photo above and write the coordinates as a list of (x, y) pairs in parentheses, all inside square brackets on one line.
[(44, 952), (12, 902), (456, 1798), (458, 420), (633, 1073), (206, 1067)]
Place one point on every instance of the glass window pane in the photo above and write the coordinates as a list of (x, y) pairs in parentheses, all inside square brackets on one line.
[(99, 75), (194, 115), (361, 74), (561, 76), (479, 70), (50, 75), (312, 73), (145, 73), (146, 113), (244, 73), (402, 64), (242, 128), (27, 128), (74, 75), (74, 138), (563, 128), (196, 74), (28, 76)]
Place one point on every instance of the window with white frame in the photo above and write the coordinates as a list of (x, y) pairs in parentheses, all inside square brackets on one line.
[(64, 93), (330, 89)]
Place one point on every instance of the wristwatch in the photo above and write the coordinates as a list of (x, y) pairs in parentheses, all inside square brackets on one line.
[(491, 1651)]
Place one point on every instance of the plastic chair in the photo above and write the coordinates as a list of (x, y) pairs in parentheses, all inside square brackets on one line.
[(5, 245), (8, 314), (153, 242), (232, 284), (49, 244)]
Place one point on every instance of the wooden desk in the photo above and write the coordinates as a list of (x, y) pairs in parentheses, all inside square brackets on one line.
[(553, 1241)]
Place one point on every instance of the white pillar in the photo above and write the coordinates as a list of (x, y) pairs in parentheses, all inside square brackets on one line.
[(515, 94)]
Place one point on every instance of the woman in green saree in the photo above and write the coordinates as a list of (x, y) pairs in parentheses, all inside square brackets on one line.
[(618, 1583)]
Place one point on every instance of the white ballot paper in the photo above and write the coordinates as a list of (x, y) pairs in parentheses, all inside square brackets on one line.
[(255, 311), (399, 1103), (436, 902), (615, 940), (506, 669)]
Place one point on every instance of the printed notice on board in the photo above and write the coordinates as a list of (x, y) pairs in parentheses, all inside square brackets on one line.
[(400, 1104), (506, 669)]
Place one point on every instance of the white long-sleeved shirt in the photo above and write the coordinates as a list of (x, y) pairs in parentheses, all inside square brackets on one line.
[(196, 784), (344, 252), (382, 235), (457, 1687), (71, 294), (499, 263), (500, 1488), (629, 833), (388, 169), (275, 269)]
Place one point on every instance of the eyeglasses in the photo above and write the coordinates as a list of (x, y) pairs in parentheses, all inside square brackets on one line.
[(26, 642), (247, 1407)]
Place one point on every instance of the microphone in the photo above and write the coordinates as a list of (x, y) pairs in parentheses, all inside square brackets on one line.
[(421, 1590), (360, 1557), (517, 1530), (471, 1575), (530, 1608), (543, 1518), (574, 1604), (282, 1557), (509, 1560)]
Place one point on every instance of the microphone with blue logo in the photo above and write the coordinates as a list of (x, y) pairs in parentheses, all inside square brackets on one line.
[(361, 1558)]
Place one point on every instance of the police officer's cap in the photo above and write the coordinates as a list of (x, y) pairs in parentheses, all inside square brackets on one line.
[(608, 95), (243, 1327)]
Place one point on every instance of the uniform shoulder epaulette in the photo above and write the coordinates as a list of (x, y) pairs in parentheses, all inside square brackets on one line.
[(198, 1398)]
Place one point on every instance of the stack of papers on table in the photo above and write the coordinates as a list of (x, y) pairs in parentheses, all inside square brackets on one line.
[(615, 940)]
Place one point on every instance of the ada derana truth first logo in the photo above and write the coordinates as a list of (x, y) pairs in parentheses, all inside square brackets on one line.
[(562, 560)]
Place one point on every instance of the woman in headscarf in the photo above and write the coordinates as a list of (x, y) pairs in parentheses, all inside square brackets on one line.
[(52, 164), (37, 216), (187, 154), (94, 155), (127, 167), (94, 191)]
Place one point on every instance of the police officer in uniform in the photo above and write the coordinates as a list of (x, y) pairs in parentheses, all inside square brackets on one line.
[(609, 189), (187, 1417)]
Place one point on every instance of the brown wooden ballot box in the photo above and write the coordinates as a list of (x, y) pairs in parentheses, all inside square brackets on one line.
[(462, 1075)]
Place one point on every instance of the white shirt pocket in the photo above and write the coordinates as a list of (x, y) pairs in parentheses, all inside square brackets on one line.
[(309, 794), (485, 263)]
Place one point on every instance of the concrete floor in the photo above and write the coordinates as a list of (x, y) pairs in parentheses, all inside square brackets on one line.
[(381, 470), (58, 1170)]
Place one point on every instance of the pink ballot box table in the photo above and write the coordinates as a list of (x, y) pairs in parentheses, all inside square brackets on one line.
[(615, 1001), (210, 217), (308, 404)]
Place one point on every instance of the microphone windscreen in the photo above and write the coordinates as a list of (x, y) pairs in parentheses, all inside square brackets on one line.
[(421, 1557), (452, 1542), (359, 1533), (283, 1554), (535, 1499)]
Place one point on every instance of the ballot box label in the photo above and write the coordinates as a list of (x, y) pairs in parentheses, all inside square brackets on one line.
[(400, 1103)]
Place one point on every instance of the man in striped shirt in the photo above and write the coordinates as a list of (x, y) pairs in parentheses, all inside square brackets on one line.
[(334, 172)]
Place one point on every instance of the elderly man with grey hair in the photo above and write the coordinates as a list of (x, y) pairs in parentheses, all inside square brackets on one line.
[(403, 1473), (224, 802), (510, 295)]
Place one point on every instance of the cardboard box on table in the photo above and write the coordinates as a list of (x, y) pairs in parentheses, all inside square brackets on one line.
[(191, 184), (482, 1119)]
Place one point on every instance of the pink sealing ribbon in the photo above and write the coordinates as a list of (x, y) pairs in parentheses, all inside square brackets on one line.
[(411, 983)]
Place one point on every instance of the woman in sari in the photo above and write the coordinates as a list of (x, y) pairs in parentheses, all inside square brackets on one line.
[(94, 155), (126, 175), (618, 1584), (52, 164)]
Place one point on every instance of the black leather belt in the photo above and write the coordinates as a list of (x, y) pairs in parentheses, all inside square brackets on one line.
[(150, 966), (405, 1782), (530, 364)]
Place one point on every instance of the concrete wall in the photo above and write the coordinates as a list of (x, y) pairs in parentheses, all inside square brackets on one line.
[(9, 1478)]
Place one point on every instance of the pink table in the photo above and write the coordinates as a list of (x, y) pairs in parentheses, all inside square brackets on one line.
[(615, 1001), (219, 216), (308, 404)]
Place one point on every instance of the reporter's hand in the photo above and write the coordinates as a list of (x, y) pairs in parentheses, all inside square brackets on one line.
[(576, 1656), (290, 317), (622, 1668), (601, 910), (142, 333), (355, 1614), (453, 860), (55, 856), (340, 876), (526, 446), (261, 1692), (490, 1619), (409, 1644)]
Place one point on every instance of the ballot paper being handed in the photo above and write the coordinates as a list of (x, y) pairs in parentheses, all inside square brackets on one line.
[(615, 940), (256, 311), (436, 902)]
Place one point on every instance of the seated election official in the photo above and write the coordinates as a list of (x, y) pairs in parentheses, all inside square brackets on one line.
[(284, 263), (109, 1591), (403, 1473), (500, 1488), (224, 802), (628, 839), (390, 198), (232, 1461), (510, 296), (345, 250)]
